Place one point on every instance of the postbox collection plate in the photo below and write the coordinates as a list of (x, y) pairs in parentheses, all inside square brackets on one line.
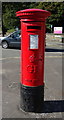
[(33, 41)]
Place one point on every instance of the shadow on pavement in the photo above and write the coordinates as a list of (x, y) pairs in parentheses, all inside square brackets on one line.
[(53, 106), (14, 48), (53, 50), (46, 49)]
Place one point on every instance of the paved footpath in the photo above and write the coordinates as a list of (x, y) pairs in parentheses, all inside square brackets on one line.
[(53, 100)]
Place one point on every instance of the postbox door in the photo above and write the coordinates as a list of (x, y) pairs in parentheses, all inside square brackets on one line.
[(32, 55)]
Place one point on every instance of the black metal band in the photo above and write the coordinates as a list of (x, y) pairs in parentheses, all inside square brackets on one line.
[(32, 98)]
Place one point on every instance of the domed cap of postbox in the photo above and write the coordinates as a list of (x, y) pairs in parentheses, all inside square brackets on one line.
[(33, 14)]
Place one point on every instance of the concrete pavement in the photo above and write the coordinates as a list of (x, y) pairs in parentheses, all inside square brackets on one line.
[(53, 101)]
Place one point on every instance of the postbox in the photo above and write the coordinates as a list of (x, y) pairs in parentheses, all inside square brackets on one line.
[(32, 58)]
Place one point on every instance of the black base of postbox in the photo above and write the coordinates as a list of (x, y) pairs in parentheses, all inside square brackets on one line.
[(32, 98)]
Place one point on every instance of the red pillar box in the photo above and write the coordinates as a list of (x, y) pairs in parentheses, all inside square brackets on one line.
[(32, 58)]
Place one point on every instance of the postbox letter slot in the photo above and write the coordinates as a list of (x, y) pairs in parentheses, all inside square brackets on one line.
[(34, 27)]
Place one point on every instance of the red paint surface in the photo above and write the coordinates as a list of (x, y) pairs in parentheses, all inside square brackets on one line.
[(32, 60)]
